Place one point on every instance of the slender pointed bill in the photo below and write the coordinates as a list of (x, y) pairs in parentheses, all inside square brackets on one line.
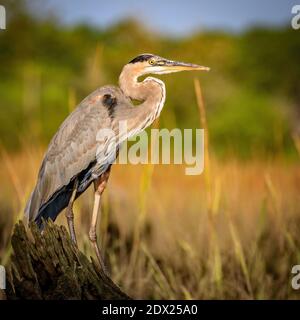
[(182, 66)]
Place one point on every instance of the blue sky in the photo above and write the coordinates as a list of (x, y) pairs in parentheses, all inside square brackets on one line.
[(176, 17)]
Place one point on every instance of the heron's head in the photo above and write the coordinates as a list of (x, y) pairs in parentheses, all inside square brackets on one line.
[(152, 64)]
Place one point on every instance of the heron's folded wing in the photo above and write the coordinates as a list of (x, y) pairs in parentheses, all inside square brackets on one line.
[(71, 150)]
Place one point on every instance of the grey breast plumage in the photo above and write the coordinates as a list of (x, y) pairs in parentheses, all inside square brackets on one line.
[(72, 152)]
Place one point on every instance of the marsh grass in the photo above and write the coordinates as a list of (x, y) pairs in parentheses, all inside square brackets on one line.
[(232, 232), (244, 248)]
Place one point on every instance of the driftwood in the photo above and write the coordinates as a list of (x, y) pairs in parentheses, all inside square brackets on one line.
[(48, 266)]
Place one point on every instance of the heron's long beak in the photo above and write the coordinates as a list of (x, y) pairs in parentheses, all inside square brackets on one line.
[(176, 66)]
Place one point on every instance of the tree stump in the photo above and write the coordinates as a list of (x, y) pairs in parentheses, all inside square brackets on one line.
[(49, 266)]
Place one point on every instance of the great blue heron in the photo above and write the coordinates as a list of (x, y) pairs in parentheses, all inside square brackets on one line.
[(72, 163)]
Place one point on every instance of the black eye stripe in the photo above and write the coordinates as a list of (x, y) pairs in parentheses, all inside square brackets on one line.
[(141, 58)]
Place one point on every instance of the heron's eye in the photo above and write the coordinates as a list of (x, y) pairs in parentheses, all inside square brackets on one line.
[(151, 61)]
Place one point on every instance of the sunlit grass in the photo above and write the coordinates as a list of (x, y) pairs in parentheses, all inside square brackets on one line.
[(255, 225), (231, 232)]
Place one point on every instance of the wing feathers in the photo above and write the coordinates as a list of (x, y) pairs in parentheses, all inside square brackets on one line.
[(72, 148)]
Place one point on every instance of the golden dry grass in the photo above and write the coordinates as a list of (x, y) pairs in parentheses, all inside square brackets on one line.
[(241, 245), (231, 232)]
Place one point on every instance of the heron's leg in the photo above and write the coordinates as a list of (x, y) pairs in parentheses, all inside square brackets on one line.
[(70, 214), (100, 185)]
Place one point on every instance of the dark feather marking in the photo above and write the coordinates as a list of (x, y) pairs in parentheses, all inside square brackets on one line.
[(60, 199), (110, 103), (141, 58)]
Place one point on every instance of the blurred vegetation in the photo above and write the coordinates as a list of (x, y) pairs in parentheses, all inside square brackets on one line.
[(231, 232), (252, 92)]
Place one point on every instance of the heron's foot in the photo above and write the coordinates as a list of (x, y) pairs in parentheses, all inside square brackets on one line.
[(70, 220), (93, 239)]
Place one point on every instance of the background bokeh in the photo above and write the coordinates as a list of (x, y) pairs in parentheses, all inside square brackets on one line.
[(231, 232), (252, 91)]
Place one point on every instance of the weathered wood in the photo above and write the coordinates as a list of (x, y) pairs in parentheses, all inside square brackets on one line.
[(49, 266)]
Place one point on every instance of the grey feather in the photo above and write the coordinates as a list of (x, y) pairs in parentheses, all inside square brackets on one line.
[(73, 147)]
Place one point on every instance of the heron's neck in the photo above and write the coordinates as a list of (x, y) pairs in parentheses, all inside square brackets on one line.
[(151, 92)]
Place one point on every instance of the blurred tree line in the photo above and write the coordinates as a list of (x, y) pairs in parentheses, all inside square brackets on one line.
[(252, 93)]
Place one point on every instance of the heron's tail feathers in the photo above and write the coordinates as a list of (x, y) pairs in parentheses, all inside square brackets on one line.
[(40, 206), (32, 206), (37, 211)]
